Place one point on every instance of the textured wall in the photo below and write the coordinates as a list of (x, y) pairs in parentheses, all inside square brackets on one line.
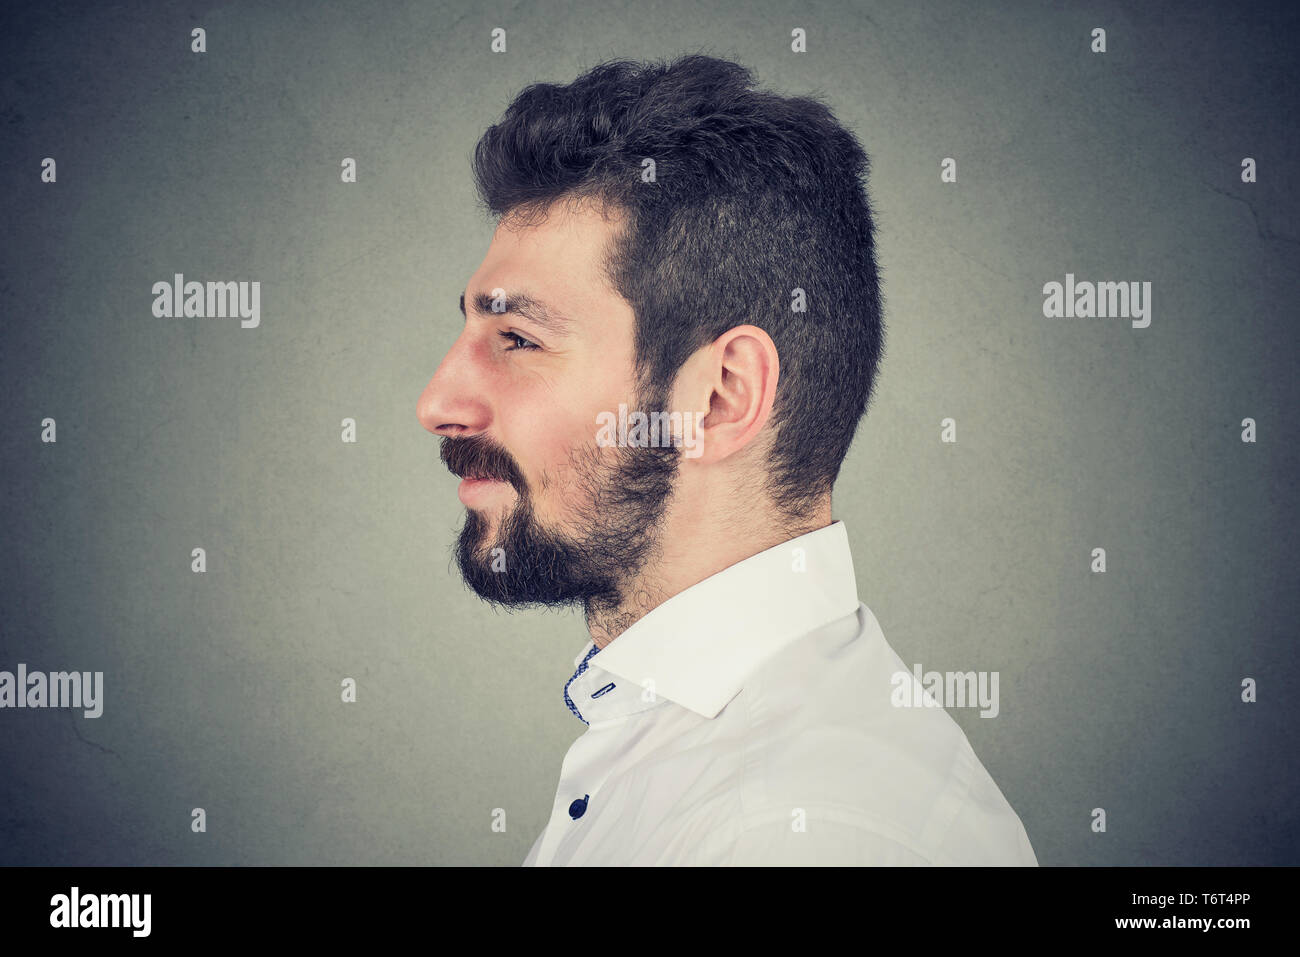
[(1119, 690)]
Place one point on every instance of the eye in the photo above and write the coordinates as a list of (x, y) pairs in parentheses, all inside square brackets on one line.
[(519, 341)]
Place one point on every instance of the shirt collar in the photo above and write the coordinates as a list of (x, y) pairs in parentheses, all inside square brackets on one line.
[(698, 648)]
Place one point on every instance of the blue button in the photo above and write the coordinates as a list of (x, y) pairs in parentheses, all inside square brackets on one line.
[(578, 807)]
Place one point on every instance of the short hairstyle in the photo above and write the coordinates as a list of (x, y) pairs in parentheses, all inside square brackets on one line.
[(755, 195)]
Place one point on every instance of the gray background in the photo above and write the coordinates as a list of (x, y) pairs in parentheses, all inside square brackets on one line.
[(328, 560)]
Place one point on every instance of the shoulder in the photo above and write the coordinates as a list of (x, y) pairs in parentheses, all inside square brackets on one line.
[(837, 773)]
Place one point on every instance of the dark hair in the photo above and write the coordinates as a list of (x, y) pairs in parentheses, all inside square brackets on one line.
[(755, 194)]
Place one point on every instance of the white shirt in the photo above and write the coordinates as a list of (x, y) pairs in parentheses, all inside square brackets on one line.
[(748, 721)]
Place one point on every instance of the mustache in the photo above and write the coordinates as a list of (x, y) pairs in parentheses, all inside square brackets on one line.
[(478, 457)]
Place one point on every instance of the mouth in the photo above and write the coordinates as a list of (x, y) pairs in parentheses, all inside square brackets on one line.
[(478, 491)]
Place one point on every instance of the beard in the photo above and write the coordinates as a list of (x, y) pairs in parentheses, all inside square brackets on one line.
[(601, 546)]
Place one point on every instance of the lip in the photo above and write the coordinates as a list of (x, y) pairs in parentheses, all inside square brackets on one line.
[(479, 491)]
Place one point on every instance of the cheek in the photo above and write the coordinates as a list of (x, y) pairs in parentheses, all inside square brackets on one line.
[(567, 459), (553, 424), (544, 444), (559, 422)]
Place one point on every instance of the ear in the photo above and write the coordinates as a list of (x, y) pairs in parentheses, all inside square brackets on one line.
[(735, 379)]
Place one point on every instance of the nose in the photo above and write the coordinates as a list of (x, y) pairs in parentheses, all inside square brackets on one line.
[(454, 403)]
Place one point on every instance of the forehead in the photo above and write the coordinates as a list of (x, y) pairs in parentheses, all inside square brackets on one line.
[(558, 259)]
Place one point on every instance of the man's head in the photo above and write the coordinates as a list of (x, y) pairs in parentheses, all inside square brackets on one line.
[(671, 240)]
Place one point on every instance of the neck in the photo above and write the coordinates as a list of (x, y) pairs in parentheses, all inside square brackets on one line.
[(690, 549)]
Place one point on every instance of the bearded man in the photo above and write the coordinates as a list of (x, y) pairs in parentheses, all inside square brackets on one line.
[(673, 240)]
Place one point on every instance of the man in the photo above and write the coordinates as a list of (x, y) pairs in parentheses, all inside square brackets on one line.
[(666, 352)]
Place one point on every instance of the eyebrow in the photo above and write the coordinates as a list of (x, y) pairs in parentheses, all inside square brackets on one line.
[(520, 304)]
